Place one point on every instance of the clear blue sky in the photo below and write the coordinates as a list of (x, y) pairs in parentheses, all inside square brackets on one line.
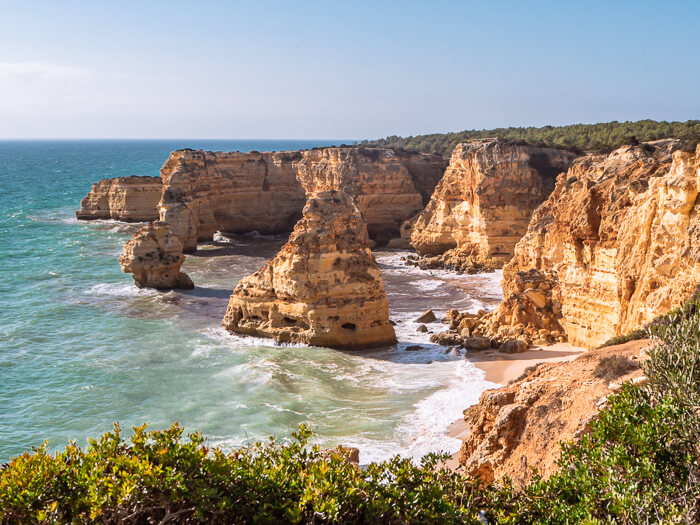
[(341, 70)]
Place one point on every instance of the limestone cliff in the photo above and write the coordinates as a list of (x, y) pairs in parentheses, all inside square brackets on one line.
[(323, 288), (128, 199), (518, 427), (154, 257), (388, 189), (239, 192), (482, 206), (616, 244), (232, 192)]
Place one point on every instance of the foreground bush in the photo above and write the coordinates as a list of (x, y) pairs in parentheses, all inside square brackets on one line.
[(160, 478)]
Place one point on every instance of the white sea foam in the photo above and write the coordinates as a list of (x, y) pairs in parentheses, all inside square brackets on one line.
[(120, 290)]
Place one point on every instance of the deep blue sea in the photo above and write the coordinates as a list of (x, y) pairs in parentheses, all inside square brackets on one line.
[(82, 347)]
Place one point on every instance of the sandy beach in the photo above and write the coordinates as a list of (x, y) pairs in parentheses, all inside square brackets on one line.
[(503, 368)]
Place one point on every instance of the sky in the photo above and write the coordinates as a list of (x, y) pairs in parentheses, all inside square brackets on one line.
[(340, 70)]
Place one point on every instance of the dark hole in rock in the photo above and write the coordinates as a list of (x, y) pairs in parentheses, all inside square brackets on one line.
[(289, 320), (349, 326)]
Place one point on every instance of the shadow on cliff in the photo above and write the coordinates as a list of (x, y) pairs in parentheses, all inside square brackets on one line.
[(245, 245)]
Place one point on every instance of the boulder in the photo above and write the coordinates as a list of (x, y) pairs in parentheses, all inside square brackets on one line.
[(513, 346), (154, 257), (426, 317)]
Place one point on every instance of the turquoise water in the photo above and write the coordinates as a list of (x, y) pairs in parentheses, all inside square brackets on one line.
[(81, 347)]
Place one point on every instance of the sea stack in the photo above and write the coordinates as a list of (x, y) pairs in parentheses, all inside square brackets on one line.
[(483, 204), (154, 257), (323, 288)]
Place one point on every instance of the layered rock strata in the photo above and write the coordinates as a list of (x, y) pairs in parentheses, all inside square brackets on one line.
[(128, 199), (518, 427), (483, 204), (616, 244), (241, 192), (323, 288), (154, 257)]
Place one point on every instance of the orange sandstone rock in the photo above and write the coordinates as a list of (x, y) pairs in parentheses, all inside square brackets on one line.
[(616, 244), (323, 288), (128, 199), (483, 204), (518, 427), (154, 257), (241, 192)]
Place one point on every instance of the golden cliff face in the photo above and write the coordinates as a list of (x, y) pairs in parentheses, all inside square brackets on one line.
[(232, 192), (482, 206), (154, 257), (386, 191), (323, 288), (617, 243), (128, 199), (239, 192)]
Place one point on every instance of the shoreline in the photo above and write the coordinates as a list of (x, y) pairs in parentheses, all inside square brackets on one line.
[(501, 369)]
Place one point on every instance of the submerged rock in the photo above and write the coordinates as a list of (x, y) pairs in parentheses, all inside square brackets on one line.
[(154, 257), (323, 288)]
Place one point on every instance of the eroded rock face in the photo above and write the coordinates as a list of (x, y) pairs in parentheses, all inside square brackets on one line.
[(323, 288), (483, 204), (231, 192), (128, 199), (154, 257), (518, 427), (616, 244), (241, 192)]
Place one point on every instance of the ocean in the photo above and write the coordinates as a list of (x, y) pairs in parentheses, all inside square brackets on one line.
[(82, 347)]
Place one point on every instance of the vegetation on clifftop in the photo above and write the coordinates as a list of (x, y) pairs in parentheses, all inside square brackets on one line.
[(601, 137), (639, 463)]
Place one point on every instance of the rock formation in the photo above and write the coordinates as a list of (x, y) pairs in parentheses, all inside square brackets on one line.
[(128, 199), (616, 244), (482, 206), (154, 257), (232, 192), (241, 192), (323, 288), (518, 427)]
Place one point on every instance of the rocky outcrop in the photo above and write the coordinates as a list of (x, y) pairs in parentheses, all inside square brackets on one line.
[(128, 199), (323, 288), (518, 427), (154, 257), (483, 204), (241, 192), (616, 244)]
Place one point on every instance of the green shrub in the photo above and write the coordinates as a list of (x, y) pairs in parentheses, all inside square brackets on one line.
[(160, 477)]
